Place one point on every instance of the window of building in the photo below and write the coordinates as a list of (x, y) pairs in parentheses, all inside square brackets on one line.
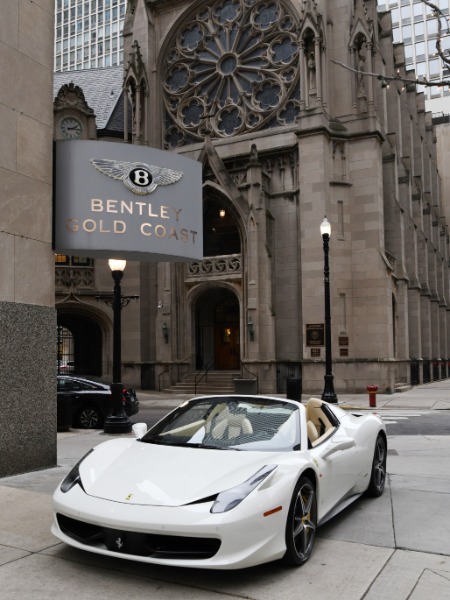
[(406, 13), (431, 45), (432, 26), (420, 51), (445, 43), (79, 261), (408, 51), (226, 71), (407, 33), (421, 69), (220, 233), (435, 67), (418, 11), (419, 31)]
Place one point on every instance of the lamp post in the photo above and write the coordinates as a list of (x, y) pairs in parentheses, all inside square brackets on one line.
[(117, 421), (329, 395)]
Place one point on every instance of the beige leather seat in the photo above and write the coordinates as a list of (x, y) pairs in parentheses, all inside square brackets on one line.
[(231, 425), (311, 431)]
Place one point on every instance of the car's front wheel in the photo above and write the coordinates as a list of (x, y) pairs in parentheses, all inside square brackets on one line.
[(301, 523), (89, 417), (378, 473)]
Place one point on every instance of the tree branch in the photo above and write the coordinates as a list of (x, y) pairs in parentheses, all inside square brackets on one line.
[(386, 79)]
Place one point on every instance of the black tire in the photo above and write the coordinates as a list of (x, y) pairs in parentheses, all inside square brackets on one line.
[(89, 417), (301, 523), (378, 472)]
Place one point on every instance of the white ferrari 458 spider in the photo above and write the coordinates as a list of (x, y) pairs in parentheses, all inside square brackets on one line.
[(222, 482)]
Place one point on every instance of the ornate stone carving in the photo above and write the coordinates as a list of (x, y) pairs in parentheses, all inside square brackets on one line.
[(218, 265), (232, 69), (75, 278), (72, 96)]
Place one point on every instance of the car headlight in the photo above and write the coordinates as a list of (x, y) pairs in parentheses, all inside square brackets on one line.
[(73, 477), (229, 499)]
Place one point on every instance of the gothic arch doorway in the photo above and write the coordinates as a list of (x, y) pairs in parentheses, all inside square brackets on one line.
[(217, 330), (220, 229), (80, 337)]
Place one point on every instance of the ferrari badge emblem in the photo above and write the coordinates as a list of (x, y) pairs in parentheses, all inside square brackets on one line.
[(140, 178), (128, 497), (119, 543)]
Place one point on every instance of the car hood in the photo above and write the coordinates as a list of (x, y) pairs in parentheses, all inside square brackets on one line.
[(148, 474)]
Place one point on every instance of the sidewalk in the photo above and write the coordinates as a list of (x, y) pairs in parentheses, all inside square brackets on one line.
[(431, 396), (396, 547)]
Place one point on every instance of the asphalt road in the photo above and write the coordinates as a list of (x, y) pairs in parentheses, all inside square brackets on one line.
[(400, 422), (405, 422)]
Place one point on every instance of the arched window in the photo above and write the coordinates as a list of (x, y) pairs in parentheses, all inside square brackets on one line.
[(220, 231), (232, 68)]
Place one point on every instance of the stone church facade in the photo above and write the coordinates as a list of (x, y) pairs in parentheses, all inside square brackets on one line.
[(274, 99)]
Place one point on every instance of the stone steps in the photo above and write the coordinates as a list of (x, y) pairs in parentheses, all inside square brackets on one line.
[(216, 382)]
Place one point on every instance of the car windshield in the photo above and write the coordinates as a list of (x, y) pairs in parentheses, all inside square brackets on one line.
[(230, 423)]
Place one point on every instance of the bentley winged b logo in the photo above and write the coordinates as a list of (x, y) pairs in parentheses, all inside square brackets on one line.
[(140, 178)]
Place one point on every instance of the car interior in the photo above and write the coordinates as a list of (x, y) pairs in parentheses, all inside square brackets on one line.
[(320, 422), (229, 425)]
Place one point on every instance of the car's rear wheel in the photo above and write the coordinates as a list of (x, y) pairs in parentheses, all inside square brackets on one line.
[(89, 417), (378, 473), (301, 523)]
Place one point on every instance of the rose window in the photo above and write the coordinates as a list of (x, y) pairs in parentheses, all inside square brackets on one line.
[(232, 69)]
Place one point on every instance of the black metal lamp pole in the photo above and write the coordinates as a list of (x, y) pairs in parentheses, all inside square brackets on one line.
[(117, 421), (329, 395)]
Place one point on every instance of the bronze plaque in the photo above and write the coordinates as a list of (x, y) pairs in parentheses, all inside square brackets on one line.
[(343, 351), (343, 340), (315, 352), (315, 334)]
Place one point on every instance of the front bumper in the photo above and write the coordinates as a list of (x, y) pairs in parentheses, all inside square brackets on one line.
[(185, 536)]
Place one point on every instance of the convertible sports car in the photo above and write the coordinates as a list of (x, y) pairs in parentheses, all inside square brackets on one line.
[(222, 482)]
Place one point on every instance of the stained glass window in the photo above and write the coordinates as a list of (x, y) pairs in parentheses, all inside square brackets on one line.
[(231, 69)]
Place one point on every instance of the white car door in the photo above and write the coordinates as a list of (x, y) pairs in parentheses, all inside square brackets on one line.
[(337, 461)]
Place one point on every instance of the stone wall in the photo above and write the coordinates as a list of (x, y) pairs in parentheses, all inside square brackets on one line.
[(27, 316), (28, 382)]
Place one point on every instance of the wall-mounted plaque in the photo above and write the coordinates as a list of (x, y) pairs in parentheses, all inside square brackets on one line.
[(315, 352), (343, 340), (315, 334)]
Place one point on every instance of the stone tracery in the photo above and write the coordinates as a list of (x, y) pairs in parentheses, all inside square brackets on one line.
[(232, 69)]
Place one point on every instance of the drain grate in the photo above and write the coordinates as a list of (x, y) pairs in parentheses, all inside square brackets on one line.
[(392, 452)]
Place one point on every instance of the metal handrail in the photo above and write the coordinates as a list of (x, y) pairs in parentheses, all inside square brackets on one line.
[(166, 370), (185, 360), (202, 373), (251, 373)]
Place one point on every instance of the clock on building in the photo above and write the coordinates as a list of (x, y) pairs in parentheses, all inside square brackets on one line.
[(71, 128)]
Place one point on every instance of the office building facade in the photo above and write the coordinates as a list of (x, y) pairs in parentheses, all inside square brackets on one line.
[(415, 25), (88, 34)]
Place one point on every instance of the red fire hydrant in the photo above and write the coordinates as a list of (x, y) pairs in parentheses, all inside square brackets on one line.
[(372, 389)]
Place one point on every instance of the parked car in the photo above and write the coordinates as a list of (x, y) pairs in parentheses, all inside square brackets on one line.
[(63, 366), (91, 400), (222, 482)]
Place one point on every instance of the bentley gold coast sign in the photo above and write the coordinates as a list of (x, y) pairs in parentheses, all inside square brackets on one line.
[(117, 200)]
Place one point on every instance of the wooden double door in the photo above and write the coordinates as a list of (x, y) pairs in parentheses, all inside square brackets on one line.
[(218, 333)]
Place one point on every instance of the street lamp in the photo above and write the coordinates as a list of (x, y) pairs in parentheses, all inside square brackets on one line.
[(117, 421), (329, 395)]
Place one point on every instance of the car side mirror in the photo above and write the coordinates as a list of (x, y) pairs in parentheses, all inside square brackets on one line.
[(336, 446), (139, 430)]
